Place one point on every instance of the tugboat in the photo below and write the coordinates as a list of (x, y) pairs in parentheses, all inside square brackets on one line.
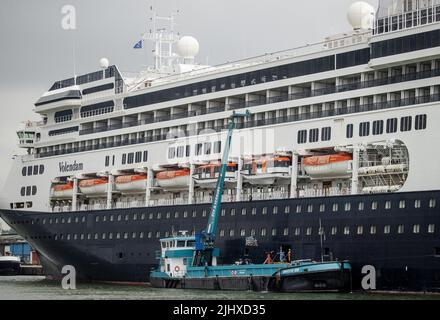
[(190, 262)]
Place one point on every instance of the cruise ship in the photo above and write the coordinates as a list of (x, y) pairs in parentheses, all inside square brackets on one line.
[(338, 160)]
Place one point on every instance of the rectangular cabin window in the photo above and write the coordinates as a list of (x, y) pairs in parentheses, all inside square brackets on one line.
[(392, 125), (207, 148), (180, 151), (107, 161), (420, 122), (198, 150), (130, 158), (377, 127), (138, 157), (217, 147), (326, 134), (188, 151), (405, 124), (145, 157), (171, 153), (364, 129), (349, 131), (314, 135), (302, 136)]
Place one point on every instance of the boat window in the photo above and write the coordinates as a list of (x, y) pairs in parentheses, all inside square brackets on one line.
[(420, 122), (302, 136), (187, 151), (400, 229), (23, 191), (387, 229), (28, 191), (347, 230), (204, 213), (149, 234), (347, 206), (180, 151), (326, 134), (130, 158), (373, 229), (388, 205), (124, 159), (377, 127), (349, 132), (334, 230), (309, 231), (402, 204), (263, 211), (360, 230), (217, 147), (298, 209), (364, 129), (29, 171), (405, 124), (168, 215), (297, 231), (253, 233), (198, 150), (263, 232), (231, 232), (41, 169), (335, 207), (145, 156), (242, 232), (416, 228), (176, 215), (287, 209), (222, 232), (243, 211), (361, 206), (254, 211), (374, 205), (392, 125), (138, 157), (207, 148), (275, 210), (314, 135), (432, 203), (431, 228), (34, 190), (24, 171), (194, 214), (417, 204), (35, 170), (322, 208), (286, 232), (274, 232)]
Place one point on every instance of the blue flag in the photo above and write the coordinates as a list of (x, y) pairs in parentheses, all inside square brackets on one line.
[(138, 45)]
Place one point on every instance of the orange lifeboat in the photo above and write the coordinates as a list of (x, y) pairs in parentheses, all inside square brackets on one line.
[(131, 183), (62, 191), (93, 186), (173, 179), (328, 166)]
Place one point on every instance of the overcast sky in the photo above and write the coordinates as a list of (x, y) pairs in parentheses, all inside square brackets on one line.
[(36, 51)]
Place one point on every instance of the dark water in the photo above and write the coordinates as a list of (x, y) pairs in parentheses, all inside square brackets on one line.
[(37, 288)]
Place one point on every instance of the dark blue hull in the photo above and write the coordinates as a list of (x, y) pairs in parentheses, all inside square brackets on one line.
[(402, 243)]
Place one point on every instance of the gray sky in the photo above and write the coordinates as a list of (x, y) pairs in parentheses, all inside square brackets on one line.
[(36, 51)]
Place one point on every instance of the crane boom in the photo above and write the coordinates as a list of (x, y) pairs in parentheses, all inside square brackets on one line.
[(205, 241)]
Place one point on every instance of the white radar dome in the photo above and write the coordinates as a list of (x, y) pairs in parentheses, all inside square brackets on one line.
[(361, 15), (104, 63), (188, 47)]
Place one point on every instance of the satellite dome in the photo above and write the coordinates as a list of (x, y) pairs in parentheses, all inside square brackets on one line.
[(361, 15), (188, 47), (104, 63)]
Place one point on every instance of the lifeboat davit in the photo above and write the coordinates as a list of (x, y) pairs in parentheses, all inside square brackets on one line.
[(131, 183), (206, 176), (62, 191), (328, 166), (173, 179), (93, 186)]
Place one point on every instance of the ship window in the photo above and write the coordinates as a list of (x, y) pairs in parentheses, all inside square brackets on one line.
[(125, 235), (417, 204), (314, 135), (185, 214), (41, 169), (134, 235), (254, 211), (274, 232), (377, 127), (416, 228), (145, 156), (23, 191), (130, 158), (135, 217), (231, 232), (188, 151), (35, 170), (334, 230), (82, 236), (347, 230), (180, 151), (432, 203), (24, 171), (392, 125), (29, 171), (34, 190), (119, 217), (149, 234), (361, 206), (253, 232), (217, 147), (97, 219), (400, 229), (402, 204), (364, 129), (69, 220), (297, 231), (28, 190), (243, 232), (388, 205), (326, 134), (159, 216), (110, 236), (223, 212), (335, 207), (287, 209), (124, 159), (150, 216), (349, 131), (263, 232), (103, 236), (387, 229), (232, 212), (171, 153), (176, 215), (373, 230), (138, 157), (204, 213), (420, 122), (198, 150), (298, 209), (309, 231), (360, 230), (194, 214), (310, 208), (322, 208), (264, 211), (405, 124), (207, 148), (96, 236), (222, 233), (374, 205), (275, 210), (286, 232), (347, 206), (302, 136), (431, 228)]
